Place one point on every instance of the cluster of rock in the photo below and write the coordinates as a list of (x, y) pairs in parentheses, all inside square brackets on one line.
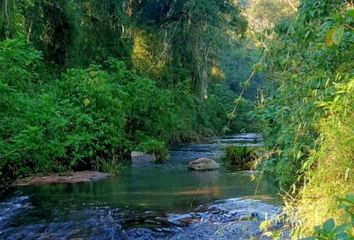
[(222, 220)]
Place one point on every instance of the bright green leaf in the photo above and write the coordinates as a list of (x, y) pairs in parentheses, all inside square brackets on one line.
[(338, 35), (334, 36), (329, 225)]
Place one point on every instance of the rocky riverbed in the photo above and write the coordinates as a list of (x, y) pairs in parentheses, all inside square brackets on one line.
[(224, 219)]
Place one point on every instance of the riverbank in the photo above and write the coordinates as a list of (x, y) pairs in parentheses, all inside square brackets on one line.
[(70, 177)]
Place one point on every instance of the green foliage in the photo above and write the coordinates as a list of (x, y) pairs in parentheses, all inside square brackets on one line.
[(302, 79), (241, 158), (18, 63), (236, 63), (99, 127), (59, 125), (330, 231), (265, 14), (150, 36), (90, 118), (307, 108), (346, 204), (149, 108), (23, 130), (109, 164), (155, 147), (71, 105)]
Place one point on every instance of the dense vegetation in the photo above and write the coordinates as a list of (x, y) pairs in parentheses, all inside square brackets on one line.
[(307, 110), (240, 158), (83, 83)]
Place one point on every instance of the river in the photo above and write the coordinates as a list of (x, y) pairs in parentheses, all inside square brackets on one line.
[(151, 201)]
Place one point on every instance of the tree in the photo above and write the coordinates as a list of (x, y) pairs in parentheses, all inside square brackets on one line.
[(265, 14)]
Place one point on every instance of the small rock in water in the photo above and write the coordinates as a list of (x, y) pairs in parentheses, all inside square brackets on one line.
[(202, 164)]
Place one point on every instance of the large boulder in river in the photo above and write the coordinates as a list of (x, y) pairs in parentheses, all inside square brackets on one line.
[(202, 164)]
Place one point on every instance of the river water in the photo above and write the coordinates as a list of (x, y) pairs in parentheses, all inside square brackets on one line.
[(152, 201)]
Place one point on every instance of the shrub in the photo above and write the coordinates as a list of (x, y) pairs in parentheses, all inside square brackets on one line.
[(109, 164), (148, 109), (50, 126), (240, 158), (155, 147), (344, 231), (19, 64), (32, 122), (99, 125)]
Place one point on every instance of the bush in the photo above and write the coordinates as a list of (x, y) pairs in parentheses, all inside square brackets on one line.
[(148, 108), (32, 122), (50, 126), (344, 231), (110, 164), (240, 158), (20, 65), (99, 126), (155, 147)]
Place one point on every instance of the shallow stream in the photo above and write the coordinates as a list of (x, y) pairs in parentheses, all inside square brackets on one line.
[(152, 201)]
